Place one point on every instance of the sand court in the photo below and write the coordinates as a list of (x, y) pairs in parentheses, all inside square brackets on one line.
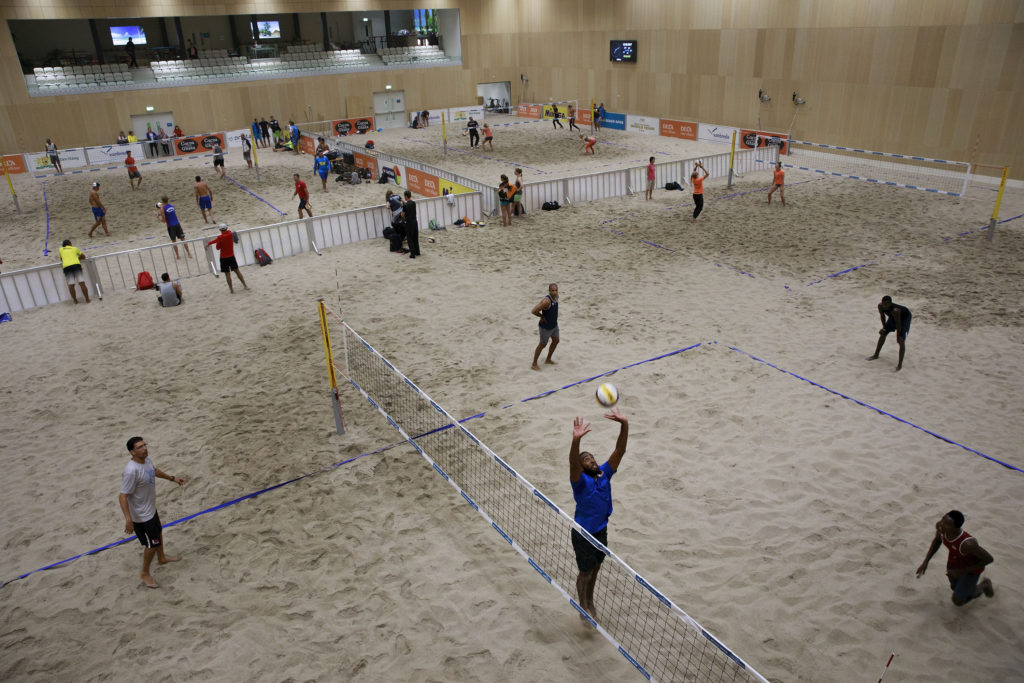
[(786, 519)]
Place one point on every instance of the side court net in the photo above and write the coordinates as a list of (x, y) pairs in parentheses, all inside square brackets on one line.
[(900, 170), (647, 628)]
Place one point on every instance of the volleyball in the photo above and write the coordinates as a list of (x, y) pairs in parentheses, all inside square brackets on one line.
[(607, 395), (159, 205)]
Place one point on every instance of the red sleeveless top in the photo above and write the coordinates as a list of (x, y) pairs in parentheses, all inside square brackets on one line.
[(957, 559)]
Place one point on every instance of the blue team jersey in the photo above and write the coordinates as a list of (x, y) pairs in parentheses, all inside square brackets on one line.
[(322, 165), (170, 215)]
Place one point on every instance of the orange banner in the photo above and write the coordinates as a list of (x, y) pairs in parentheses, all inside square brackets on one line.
[(352, 126), (364, 161), (198, 144), (530, 111), (14, 163), (583, 116), (678, 129), (749, 138), (307, 144), (421, 183)]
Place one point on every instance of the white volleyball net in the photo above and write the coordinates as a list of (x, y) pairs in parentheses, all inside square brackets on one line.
[(644, 625), (941, 176)]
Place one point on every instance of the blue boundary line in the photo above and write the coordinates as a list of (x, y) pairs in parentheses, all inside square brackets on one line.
[(46, 206), (879, 411), (231, 180)]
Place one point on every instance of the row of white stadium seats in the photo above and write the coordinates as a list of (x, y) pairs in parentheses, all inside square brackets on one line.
[(88, 69), (255, 68), (213, 53), (409, 49), (410, 59), (83, 78)]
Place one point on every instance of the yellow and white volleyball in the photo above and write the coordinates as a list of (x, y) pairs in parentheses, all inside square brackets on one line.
[(159, 205), (607, 395)]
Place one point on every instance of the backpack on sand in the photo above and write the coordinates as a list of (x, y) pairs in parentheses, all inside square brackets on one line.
[(144, 280), (262, 257)]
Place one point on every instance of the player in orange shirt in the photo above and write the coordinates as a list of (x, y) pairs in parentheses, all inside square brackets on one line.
[(697, 181), (778, 179), (133, 171)]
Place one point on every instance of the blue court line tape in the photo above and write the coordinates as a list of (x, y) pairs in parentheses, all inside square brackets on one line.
[(981, 229), (46, 206), (231, 180), (844, 272), (879, 411), (115, 168)]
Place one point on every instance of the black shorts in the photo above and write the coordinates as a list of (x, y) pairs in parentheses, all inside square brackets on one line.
[(587, 556), (228, 263), (175, 232), (218, 162), (149, 533), (303, 203)]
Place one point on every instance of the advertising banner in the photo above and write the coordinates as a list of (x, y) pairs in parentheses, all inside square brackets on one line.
[(583, 116), (759, 138), (14, 163), (394, 173), (307, 143), (422, 183), (687, 130), (460, 115), (343, 127), (529, 111), (614, 121), (114, 154), (648, 125), (710, 133), (69, 158), (366, 161), (234, 137), (198, 144), (449, 187)]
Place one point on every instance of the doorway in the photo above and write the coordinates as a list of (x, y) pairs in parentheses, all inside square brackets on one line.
[(155, 121), (389, 109)]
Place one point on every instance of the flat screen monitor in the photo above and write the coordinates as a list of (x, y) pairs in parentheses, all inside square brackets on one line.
[(121, 34), (267, 30), (623, 51)]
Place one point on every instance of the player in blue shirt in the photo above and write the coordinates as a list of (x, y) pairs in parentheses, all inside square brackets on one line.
[(169, 216), (322, 165), (592, 490)]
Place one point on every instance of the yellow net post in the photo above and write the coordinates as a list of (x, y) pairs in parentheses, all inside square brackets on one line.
[(732, 153), (325, 335), (444, 134), (255, 159), (999, 200), (10, 185)]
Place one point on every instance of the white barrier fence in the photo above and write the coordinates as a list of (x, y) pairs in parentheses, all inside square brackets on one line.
[(21, 290)]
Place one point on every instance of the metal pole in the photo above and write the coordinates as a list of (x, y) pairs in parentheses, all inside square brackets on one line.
[(10, 186), (326, 338)]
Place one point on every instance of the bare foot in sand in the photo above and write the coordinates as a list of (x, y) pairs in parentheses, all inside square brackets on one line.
[(535, 367), (550, 362), (168, 558), (148, 580)]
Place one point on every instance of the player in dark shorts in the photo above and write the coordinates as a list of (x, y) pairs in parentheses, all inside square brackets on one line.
[(174, 231), (895, 318)]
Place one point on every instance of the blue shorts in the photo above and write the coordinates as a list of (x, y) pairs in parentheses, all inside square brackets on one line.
[(323, 175), (206, 202), (98, 213)]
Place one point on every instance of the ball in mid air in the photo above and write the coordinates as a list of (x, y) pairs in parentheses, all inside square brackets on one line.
[(607, 395)]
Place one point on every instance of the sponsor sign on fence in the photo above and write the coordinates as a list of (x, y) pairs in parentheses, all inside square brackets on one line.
[(529, 111), (366, 161), (749, 139), (648, 125), (462, 114), (69, 158), (234, 137), (114, 154), (687, 130), (452, 187), (613, 120), (13, 163), (198, 144), (710, 133), (307, 144), (423, 183), (352, 126)]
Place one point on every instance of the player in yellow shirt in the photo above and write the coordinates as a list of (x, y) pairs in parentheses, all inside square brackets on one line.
[(70, 259)]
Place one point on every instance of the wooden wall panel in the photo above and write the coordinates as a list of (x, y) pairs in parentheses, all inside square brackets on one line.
[(931, 77)]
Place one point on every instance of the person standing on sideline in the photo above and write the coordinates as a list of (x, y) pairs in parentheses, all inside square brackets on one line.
[(168, 293), (778, 179), (293, 131), (650, 178), (129, 48), (275, 127), (178, 132), (517, 199), (697, 181), (895, 318), (599, 116), (505, 194), (303, 194), (265, 131), (572, 117), (256, 135), (592, 491), (412, 226), (152, 137), (394, 204), (51, 151), (555, 116), (204, 198), (218, 158), (488, 137), (99, 212), (165, 141), (133, 171), (322, 166), (967, 560), (547, 311), (169, 216), (138, 503), (192, 51), (70, 260), (474, 134), (588, 144), (246, 149), (225, 243)]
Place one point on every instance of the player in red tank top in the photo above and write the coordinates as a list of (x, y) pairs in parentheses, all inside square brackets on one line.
[(967, 560)]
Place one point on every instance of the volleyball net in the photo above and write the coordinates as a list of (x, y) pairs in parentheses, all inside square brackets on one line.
[(899, 170), (644, 625)]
